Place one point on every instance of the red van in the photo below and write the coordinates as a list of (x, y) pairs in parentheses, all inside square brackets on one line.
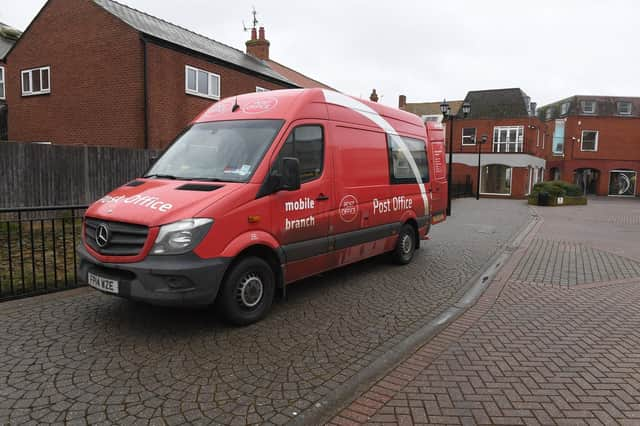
[(262, 190)]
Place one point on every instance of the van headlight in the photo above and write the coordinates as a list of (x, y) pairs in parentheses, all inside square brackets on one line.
[(182, 236)]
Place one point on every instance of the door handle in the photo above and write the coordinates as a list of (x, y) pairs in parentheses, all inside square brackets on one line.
[(322, 197)]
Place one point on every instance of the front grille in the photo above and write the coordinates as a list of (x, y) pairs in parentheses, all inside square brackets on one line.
[(125, 239)]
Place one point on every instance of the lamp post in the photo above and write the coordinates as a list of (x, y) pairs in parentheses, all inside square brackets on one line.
[(445, 108), (481, 142)]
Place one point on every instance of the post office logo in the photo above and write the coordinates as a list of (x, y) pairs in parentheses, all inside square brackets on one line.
[(260, 105), (348, 208)]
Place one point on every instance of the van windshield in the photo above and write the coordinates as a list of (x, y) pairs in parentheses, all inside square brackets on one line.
[(217, 151)]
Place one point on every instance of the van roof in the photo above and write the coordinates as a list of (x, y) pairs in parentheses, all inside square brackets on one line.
[(291, 104)]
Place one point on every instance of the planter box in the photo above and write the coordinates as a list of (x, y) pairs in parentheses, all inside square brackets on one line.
[(560, 201)]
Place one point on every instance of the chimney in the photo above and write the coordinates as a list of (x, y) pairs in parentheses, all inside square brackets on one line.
[(258, 46), (532, 108), (402, 101), (374, 96)]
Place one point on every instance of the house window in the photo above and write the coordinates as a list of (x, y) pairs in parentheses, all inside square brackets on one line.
[(508, 138), (549, 114), (589, 140), (558, 138), (2, 95), (261, 89), (624, 108), (564, 108), (202, 83), (401, 169), (496, 179), (36, 81), (589, 107), (622, 183), (469, 136)]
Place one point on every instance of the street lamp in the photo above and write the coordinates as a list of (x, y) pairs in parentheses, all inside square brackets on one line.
[(481, 142), (445, 109)]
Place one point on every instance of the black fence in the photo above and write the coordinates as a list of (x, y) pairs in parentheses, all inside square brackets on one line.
[(37, 250)]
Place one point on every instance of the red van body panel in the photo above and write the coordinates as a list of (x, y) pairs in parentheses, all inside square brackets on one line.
[(372, 180)]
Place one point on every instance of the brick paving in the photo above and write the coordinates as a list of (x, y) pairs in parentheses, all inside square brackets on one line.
[(82, 357), (537, 348)]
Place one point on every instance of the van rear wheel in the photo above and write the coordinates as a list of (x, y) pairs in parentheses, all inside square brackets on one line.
[(247, 292), (406, 245)]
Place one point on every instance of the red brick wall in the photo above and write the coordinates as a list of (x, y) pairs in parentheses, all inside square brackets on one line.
[(96, 78), (532, 137), (170, 108), (519, 179), (618, 148)]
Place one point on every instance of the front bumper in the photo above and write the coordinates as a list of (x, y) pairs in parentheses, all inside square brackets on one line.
[(181, 280)]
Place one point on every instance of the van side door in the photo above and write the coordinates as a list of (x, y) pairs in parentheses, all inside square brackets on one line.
[(438, 164), (300, 218)]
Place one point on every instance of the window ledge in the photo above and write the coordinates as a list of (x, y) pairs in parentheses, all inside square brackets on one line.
[(44, 92)]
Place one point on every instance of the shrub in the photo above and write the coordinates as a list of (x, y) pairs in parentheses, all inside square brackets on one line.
[(557, 188)]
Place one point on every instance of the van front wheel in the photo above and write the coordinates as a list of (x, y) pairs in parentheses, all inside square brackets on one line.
[(406, 245), (247, 292)]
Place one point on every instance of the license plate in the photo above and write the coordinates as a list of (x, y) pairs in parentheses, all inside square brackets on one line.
[(103, 284)]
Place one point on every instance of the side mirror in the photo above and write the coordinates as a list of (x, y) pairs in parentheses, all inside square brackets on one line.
[(290, 179)]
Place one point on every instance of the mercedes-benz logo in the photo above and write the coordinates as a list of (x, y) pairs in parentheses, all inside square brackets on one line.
[(102, 235)]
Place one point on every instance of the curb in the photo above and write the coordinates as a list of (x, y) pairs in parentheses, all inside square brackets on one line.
[(353, 388)]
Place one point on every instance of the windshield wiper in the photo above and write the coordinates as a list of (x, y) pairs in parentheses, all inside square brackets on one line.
[(161, 176)]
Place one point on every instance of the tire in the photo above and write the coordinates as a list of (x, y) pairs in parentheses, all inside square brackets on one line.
[(406, 245), (247, 292)]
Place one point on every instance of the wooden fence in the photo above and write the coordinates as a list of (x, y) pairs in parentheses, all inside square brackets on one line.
[(33, 175)]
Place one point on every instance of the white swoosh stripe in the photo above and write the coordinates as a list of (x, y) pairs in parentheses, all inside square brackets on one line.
[(365, 110)]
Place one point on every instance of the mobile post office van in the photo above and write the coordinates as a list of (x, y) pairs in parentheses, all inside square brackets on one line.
[(262, 190)]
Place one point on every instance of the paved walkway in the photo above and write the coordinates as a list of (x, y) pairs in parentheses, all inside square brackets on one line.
[(554, 340), (83, 357)]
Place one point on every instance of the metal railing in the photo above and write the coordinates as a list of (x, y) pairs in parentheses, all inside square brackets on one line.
[(38, 250)]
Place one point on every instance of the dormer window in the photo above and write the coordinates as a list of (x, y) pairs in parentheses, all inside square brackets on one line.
[(564, 108), (589, 107), (624, 108), (549, 113)]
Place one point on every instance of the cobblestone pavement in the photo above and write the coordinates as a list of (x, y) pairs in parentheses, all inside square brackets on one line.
[(83, 357), (554, 340)]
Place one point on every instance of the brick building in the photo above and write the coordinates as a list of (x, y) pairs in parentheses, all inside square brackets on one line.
[(8, 37), (99, 72), (428, 111), (594, 142), (512, 159)]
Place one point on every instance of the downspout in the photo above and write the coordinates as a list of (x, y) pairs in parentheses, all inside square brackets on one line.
[(145, 92)]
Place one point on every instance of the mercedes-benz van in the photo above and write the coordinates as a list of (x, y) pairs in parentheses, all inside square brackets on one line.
[(264, 189)]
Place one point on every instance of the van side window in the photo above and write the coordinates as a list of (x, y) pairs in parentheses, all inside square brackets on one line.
[(399, 168), (306, 143)]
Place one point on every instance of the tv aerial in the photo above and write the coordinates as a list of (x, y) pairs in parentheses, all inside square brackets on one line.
[(255, 20)]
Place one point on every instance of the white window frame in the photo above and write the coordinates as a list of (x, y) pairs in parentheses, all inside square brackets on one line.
[(30, 72), (519, 139), (620, 112), (564, 108), (475, 131), (582, 141), (261, 89), (210, 75), (3, 93), (497, 193), (591, 103)]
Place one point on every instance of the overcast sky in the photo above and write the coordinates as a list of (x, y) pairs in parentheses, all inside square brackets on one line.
[(426, 50)]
